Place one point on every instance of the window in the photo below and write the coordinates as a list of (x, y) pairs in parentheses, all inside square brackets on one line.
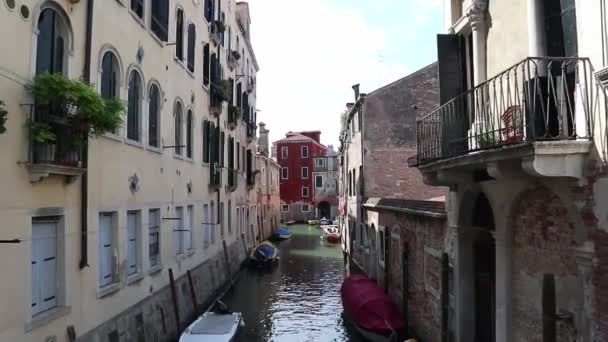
[(189, 134), (51, 47), (381, 246), (304, 151), (320, 162), (229, 217), (153, 116), (206, 64), (154, 237), (304, 191), (222, 33), (212, 222), (206, 225), (221, 219), (305, 208), (137, 6), (283, 151), (284, 173), (191, 46), (209, 10), (319, 181), (160, 19), (179, 35), (188, 227), (238, 156), (206, 133), (134, 106), (178, 128), (360, 181), (285, 208), (109, 76), (178, 230), (222, 148), (304, 172), (132, 242), (107, 246), (45, 270)]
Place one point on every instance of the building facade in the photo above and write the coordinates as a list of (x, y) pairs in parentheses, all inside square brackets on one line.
[(295, 154), (267, 187), (168, 192), (325, 184), (519, 139)]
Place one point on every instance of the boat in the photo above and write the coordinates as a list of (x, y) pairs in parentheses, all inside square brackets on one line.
[(290, 222), (313, 222), (265, 254), (281, 234), (372, 313), (220, 326), (332, 238), (325, 221)]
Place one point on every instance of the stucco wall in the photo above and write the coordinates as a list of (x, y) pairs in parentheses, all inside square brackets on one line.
[(508, 34)]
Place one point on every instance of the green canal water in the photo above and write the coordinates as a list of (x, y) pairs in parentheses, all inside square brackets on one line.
[(299, 299)]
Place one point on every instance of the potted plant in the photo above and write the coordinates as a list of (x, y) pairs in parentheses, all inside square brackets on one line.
[(487, 139), (225, 90), (219, 26), (44, 137), (3, 116), (236, 55), (235, 113)]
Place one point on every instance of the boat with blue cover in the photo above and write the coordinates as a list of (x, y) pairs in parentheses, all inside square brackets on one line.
[(264, 254), (281, 234)]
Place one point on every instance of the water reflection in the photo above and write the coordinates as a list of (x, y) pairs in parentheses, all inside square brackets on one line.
[(298, 300)]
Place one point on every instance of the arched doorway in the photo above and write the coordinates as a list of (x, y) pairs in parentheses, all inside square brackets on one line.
[(324, 209)]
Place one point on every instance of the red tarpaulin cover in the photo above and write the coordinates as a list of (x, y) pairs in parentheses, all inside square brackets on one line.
[(369, 307)]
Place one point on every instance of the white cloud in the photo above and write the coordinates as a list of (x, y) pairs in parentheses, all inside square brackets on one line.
[(310, 54)]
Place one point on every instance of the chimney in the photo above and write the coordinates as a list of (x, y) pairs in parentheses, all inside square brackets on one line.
[(350, 106), (356, 89), (263, 139)]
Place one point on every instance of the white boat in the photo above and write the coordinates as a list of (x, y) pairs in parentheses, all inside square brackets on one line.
[(213, 327)]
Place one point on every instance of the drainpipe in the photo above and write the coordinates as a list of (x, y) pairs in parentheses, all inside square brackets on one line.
[(84, 182)]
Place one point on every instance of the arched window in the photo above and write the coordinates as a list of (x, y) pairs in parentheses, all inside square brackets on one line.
[(189, 134), (51, 46), (153, 116), (191, 46), (179, 121), (109, 76), (134, 108), (179, 35)]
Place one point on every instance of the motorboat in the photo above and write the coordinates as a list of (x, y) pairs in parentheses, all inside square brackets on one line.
[(325, 221), (281, 234), (265, 254), (220, 326), (290, 222), (370, 310), (331, 234), (313, 222)]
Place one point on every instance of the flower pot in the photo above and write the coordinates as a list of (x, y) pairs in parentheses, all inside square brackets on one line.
[(44, 152)]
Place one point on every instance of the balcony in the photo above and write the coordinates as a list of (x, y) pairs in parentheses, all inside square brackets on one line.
[(215, 176), (251, 131), (55, 145), (234, 113), (216, 31), (233, 178), (217, 97), (537, 118), (233, 58)]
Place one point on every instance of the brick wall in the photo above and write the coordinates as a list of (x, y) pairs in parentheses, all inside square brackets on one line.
[(543, 242)]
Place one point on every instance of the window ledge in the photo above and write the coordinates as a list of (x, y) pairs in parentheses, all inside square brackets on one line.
[(155, 269), (113, 136), (156, 39), (154, 149), (134, 143), (178, 156), (205, 88), (134, 278), (47, 316), (139, 20), (108, 290), (191, 73), (191, 252), (189, 160)]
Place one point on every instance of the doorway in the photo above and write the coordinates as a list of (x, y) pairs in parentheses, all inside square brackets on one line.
[(324, 210)]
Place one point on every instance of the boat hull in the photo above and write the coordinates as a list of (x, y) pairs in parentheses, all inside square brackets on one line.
[(214, 335)]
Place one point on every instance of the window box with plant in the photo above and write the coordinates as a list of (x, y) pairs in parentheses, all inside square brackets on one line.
[(233, 57), (217, 28), (64, 115), (220, 93), (234, 114)]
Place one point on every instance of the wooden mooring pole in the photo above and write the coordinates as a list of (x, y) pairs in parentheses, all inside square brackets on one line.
[(175, 304), (193, 294)]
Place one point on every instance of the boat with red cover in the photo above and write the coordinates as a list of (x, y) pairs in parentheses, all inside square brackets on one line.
[(375, 316)]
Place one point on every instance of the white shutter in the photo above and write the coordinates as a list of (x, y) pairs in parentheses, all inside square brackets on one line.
[(188, 227), (105, 249), (177, 234), (131, 243), (44, 266)]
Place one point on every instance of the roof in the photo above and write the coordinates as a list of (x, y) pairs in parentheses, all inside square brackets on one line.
[(425, 208), (297, 137)]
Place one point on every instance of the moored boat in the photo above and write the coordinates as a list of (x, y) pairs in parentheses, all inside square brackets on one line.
[(290, 223), (264, 254), (214, 327), (281, 234), (374, 315), (332, 238), (313, 222)]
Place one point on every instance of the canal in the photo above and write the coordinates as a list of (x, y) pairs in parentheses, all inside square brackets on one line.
[(299, 299)]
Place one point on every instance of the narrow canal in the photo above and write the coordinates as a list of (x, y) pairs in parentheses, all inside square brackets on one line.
[(299, 299)]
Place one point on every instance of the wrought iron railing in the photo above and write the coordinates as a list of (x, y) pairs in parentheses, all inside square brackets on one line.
[(54, 137), (540, 98)]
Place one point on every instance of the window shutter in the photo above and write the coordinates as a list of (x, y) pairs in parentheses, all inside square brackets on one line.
[(177, 234), (44, 266), (105, 249), (153, 243), (222, 149), (206, 64), (212, 222), (206, 223), (131, 243), (179, 35), (188, 229)]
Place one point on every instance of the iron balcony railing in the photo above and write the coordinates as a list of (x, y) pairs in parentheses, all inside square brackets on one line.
[(538, 99), (64, 142)]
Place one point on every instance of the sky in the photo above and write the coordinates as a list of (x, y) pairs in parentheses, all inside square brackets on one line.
[(311, 52)]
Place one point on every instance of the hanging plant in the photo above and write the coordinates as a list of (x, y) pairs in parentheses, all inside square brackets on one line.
[(3, 117), (235, 113), (236, 55), (84, 109), (219, 26), (225, 90), (41, 132)]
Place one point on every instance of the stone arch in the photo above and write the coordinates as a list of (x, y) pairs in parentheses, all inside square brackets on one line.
[(49, 4), (135, 67), (102, 52), (161, 91)]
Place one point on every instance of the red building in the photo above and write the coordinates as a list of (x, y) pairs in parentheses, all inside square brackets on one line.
[(295, 154)]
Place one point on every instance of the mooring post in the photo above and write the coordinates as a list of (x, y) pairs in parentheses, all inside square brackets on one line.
[(175, 306), (192, 293)]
